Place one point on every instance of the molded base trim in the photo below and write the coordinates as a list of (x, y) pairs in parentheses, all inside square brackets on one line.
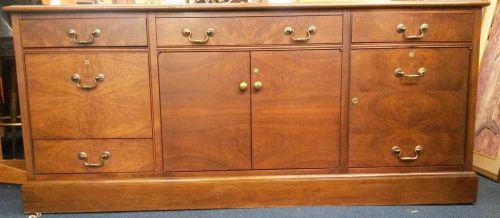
[(249, 191)]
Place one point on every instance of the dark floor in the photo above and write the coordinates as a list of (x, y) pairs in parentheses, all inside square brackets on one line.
[(488, 205)]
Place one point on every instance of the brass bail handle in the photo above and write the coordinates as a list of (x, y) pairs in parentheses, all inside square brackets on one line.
[(399, 73), (396, 151), (72, 34), (188, 34), (77, 80), (401, 28), (104, 156), (290, 32)]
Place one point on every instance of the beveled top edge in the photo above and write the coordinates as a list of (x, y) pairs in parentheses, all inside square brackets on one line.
[(246, 6)]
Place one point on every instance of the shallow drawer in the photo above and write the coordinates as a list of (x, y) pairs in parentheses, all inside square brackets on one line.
[(404, 99), (101, 156), (410, 26), (83, 32), (89, 95), (249, 30)]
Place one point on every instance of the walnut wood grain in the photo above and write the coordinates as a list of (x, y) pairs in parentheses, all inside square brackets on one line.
[(430, 111), (380, 26), (205, 116), (54, 32), (119, 107), (249, 30), (61, 156), (296, 115), (251, 191), (267, 6)]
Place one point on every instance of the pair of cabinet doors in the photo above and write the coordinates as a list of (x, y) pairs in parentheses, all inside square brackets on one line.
[(209, 122)]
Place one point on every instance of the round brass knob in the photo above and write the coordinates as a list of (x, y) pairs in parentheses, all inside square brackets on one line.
[(257, 85), (243, 86)]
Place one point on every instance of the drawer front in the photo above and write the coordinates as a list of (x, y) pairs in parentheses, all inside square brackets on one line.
[(119, 106), (249, 30), (84, 32), (65, 156), (383, 26), (389, 109)]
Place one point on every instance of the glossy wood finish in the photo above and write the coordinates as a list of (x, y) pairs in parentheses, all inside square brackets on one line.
[(61, 156), (13, 172), (296, 115), (205, 116), (245, 192), (54, 32), (430, 111), (267, 6), (192, 165), (119, 107), (23, 96), (249, 30), (380, 26)]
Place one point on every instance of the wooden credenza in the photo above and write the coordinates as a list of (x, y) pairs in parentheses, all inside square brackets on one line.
[(247, 105)]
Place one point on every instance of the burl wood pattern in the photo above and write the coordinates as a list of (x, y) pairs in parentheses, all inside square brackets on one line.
[(296, 115), (380, 26), (61, 156), (119, 107), (249, 30), (205, 116), (430, 111), (54, 32)]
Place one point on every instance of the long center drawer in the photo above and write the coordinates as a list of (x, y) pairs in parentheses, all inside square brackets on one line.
[(249, 30)]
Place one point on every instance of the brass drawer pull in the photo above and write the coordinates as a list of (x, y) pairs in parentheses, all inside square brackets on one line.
[(401, 28), (397, 152), (104, 156), (94, 34), (400, 73), (311, 31), (187, 33), (76, 78)]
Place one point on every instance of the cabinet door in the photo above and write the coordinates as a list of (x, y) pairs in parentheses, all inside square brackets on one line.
[(205, 116), (119, 106), (296, 113), (394, 110)]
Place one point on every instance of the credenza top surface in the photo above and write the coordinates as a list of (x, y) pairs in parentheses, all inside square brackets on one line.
[(266, 5)]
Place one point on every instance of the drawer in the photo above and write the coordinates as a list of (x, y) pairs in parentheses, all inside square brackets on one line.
[(111, 99), (249, 30), (401, 108), (84, 32), (102, 156), (382, 26)]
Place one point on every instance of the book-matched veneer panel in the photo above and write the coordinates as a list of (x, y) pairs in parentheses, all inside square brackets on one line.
[(119, 106), (390, 110)]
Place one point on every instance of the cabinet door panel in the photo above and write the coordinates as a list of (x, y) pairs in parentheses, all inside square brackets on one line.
[(296, 114), (205, 116), (429, 111), (118, 107)]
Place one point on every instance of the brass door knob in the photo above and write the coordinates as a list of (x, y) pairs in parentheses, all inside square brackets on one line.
[(243, 86), (257, 85)]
